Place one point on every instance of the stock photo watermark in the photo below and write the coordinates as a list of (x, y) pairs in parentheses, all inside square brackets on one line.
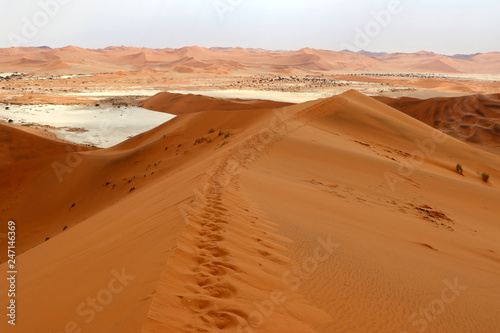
[(11, 272), (381, 19), (425, 149), (73, 158), (32, 25), (89, 309), (72, 161), (428, 314), (292, 278), (223, 7)]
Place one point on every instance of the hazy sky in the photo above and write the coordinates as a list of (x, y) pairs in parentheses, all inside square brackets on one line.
[(442, 26)]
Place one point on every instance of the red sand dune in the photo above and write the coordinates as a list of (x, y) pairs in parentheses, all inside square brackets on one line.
[(474, 119), (196, 59), (182, 104), (336, 215), (434, 66)]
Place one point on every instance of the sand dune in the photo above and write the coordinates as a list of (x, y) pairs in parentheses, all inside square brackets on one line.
[(17, 145), (24, 157), (196, 59), (474, 119), (423, 62), (182, 104), (336, 215), (435, 66)]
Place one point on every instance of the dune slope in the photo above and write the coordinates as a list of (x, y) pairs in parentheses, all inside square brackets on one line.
[(182, 104), (346, 172), (340, 214), (474, 119)]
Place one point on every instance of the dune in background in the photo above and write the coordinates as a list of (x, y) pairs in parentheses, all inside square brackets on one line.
[(473, 119), (182, 104), (195, 59), (341, 214), (121, 76)]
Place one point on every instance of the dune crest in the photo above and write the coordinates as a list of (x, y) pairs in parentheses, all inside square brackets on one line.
[(339, 214), (182, 104)]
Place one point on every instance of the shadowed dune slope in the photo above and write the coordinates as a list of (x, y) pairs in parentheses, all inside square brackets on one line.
[(82, 182), (182, 104), (474, 119), (23, 156), (341, 214), (17, 145)]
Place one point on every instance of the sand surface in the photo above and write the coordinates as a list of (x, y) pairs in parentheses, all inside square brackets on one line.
[(335, 215)]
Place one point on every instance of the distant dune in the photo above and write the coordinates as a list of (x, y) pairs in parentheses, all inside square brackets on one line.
[(336, 215), (227, 60), (474, 119), (183, 104)]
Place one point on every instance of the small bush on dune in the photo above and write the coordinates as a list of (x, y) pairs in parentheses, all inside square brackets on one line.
[(199, 140), (485, 177), (460, 171)]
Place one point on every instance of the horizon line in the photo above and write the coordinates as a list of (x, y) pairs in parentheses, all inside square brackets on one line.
[(247, 48)]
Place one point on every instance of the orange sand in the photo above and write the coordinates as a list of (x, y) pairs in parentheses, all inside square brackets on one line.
[(195, 59), (336, 215)]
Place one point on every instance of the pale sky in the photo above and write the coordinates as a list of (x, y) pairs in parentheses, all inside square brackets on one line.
[(441, 26)]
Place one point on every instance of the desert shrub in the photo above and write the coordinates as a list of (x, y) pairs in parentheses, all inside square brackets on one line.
[(485, 177), (199, 140), (460, 170), (211, 131)]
